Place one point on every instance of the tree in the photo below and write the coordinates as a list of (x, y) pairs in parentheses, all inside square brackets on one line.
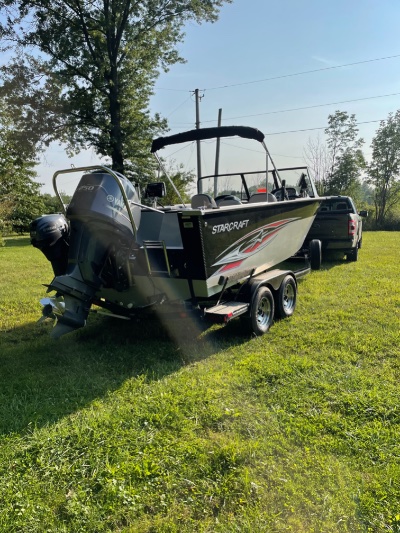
[(183, 181), (346, 159), (6, 207), (34, 104), (101, 59), (384, 170), (317, 157), (52, 203), (345, 178), (20, 199)]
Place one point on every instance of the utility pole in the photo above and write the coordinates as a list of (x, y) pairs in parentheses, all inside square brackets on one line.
[(199, 186)]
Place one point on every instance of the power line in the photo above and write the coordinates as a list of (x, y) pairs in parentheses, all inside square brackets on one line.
[(289, 131), (174, 90), (283, 132), (179, 106), (275, 133), (287, 75), (319, 128), (300, 108), (303, 72), (259, 151), (310, 106)]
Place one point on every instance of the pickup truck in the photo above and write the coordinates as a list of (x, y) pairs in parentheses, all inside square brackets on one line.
[(338, 226)]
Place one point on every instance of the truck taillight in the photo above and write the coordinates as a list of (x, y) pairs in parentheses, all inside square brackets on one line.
[(352, 227)]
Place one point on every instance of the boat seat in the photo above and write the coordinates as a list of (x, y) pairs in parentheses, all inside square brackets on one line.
[(292, 193), (227, 199), (203, 201), (262, 197)]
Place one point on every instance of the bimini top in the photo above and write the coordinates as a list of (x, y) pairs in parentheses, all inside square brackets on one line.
[(208, 133)]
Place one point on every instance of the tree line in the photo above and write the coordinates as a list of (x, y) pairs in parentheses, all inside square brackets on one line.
[(82, 74), (339, 166)]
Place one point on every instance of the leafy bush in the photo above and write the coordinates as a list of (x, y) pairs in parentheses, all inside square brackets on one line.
[(390, 223)]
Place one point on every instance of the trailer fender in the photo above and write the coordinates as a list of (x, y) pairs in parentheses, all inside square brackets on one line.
[(272, 282)]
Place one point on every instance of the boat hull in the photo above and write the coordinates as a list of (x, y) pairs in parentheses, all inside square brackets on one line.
[(228, 242), (210, 248)]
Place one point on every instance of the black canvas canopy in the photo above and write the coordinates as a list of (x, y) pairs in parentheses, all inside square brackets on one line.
[(208, 133)]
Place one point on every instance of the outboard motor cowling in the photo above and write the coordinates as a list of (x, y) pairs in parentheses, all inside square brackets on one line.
[(101, 228), (50, 234), (99, 196), (102, 238)]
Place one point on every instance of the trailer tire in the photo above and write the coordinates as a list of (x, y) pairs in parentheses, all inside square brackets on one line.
[(286, 297), (315, 251), (262, 310)]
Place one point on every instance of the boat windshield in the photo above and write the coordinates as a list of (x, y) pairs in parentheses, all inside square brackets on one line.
[(242, 184), (245, 184), (298, 179)]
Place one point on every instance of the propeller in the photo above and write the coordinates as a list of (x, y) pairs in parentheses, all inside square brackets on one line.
[(53, 307)]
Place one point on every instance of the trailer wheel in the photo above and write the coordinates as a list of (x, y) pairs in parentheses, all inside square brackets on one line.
[(315, 254), (262, 311), (286, 298)]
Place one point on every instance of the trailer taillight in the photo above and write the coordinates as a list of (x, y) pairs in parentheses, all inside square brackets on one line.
[(228, 317), (352, 227)]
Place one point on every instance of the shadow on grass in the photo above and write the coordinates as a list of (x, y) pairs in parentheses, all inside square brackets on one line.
[(43, 380), (23, 240), (333, 259)]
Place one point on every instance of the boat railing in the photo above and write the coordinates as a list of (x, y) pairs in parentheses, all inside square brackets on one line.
[(114, 175)]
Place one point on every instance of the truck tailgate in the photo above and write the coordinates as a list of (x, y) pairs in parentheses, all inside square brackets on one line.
[(330, 226)]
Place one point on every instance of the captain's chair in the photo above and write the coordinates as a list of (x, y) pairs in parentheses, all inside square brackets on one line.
[(203, 201), (262, 197)]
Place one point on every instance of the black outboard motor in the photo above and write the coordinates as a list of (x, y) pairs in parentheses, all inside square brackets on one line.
[(50, 233), (102, 238)]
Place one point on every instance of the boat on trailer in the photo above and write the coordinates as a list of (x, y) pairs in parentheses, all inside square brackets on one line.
[(223, 254)]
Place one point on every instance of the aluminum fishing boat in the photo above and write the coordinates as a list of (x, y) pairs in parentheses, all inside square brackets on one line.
[(110, 248)]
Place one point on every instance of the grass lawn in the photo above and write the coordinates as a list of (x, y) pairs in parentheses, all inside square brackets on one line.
[(132, 427)]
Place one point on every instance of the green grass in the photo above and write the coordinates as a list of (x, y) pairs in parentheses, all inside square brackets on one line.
[(129, 427)]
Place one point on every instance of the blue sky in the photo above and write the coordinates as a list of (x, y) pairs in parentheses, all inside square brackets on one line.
[(254, 40)]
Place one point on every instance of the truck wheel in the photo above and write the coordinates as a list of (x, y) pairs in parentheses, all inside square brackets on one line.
[(360, 243), (315, 251), (353, 255), (286, 297), (262, 311)]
